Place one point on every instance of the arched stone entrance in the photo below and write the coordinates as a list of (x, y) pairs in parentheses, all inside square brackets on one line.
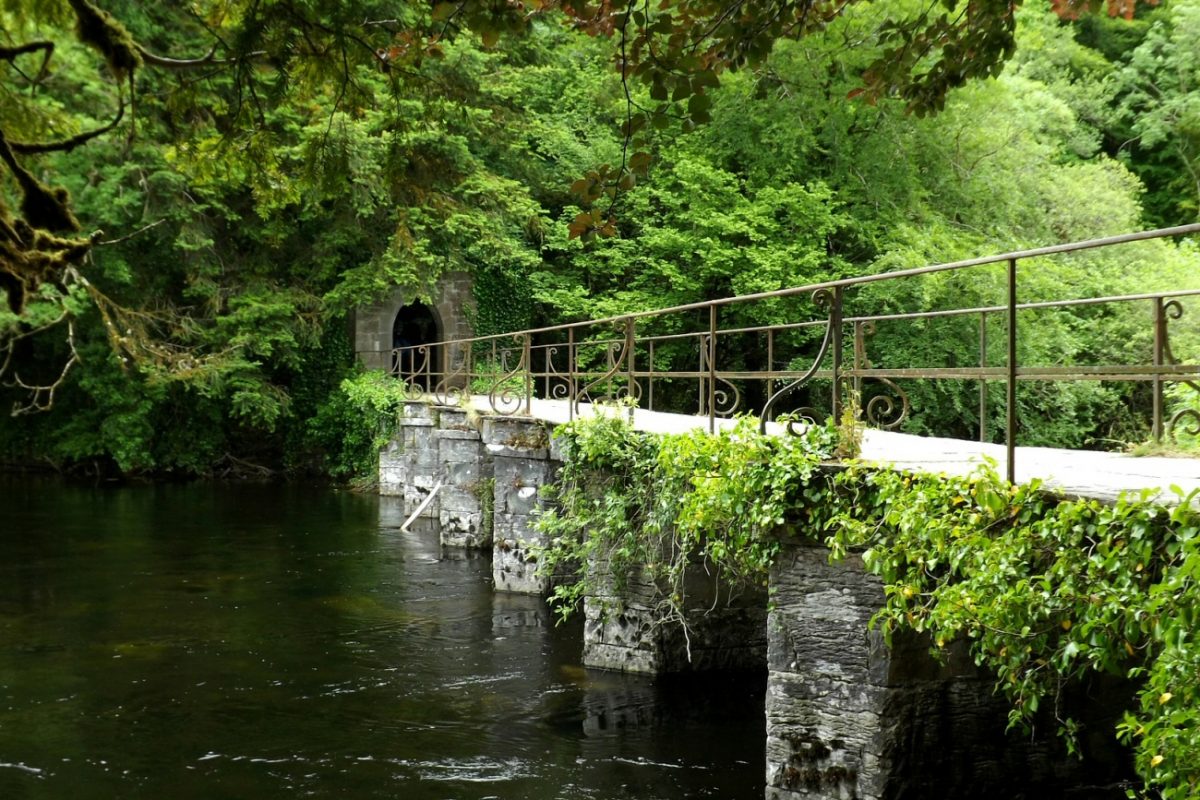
[(377, 326), (416, 324)]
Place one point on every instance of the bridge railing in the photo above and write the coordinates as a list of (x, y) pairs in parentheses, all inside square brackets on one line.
[(696, 358)]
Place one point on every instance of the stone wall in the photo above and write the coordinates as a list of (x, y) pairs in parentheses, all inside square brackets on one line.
[(848, 717), (491, 470), (624, 630), (453, 301)]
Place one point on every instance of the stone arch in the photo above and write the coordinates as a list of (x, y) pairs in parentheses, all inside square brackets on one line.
[(413, 325), (452, 310)]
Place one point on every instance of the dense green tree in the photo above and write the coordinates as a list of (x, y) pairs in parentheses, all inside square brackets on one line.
[(309, 157)]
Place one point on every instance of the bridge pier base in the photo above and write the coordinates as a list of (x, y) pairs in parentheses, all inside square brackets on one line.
[(464, 470), (523, 461), (624, 628), (850, 717)]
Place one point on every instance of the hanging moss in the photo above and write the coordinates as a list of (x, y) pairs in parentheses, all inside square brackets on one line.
[(97, 28), (43, 207)]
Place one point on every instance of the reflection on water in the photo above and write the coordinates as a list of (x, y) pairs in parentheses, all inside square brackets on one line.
[(258, 642)]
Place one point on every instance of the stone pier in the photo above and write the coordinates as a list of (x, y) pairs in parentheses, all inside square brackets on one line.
[(465, 472), (624, 630), (849, 717), (523, 461)]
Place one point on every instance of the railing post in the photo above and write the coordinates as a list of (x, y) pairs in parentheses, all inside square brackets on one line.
[(527, 346), (571, 373), (468, 366), (650, 379), (630, 348), (1011, 393), (983, 398), (835, 323), (494, 366), (860, 355), (712, 369), (1160, 340), (770, 363)]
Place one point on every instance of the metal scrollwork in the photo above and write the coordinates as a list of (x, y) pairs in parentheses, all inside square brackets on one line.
[(502, 396), (617, 354), (418, 358), (1173, 309), (726, 401), (456, 379), (804, 416), (885, 411), (1179, 416), (881, 410), (558, 384), (830, 301)]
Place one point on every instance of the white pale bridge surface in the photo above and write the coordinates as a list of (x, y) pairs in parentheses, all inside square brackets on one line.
[(1085, 473)]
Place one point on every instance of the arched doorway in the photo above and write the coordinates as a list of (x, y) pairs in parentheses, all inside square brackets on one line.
[(416, 325)]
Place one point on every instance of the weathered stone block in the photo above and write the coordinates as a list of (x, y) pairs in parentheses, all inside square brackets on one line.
[(514, 568), (456, 498), (464, 474), (515, 473), (419, 415), (516, 437), (458, 448), (624, 630), (393, 469), (463, 529), (457, 419), (519, 528)]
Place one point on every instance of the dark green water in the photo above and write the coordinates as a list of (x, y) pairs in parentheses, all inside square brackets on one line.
[(251, 642)]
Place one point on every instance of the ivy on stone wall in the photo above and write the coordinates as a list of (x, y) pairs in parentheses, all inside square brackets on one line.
[(1045, 589), (660, 503)]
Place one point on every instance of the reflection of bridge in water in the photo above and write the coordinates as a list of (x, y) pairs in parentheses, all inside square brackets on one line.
[(710, 359)]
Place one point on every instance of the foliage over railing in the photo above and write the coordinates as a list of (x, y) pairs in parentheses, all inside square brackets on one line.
[(1044, 589), (703, 358)]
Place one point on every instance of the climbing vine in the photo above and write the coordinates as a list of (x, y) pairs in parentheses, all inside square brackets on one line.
[(1045, 590), (657, 504)]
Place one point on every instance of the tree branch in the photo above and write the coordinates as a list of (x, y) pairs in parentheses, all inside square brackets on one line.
[(67, 145), (10, 55), (128, 236), (41, 398), (192, 63)]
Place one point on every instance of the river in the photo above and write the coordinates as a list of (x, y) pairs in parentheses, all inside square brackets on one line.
[(225, 641)]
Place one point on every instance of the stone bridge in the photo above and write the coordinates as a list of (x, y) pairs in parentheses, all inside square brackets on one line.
[(847, 716)]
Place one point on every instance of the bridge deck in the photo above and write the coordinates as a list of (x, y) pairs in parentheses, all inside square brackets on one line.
[(1085, 473)]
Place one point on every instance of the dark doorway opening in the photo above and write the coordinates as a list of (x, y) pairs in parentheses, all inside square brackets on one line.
[(414, 360)]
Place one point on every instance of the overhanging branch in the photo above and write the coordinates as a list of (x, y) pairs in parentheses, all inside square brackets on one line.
[(192, 63), (67, 145)]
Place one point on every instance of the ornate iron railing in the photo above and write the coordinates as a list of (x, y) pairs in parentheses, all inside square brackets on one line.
[(648, 356)]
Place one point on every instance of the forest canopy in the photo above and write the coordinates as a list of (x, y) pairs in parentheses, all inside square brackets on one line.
[(195, 198)]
